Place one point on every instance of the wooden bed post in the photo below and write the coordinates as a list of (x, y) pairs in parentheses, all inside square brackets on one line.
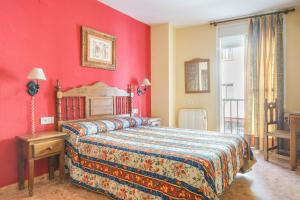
[(130, 101), (58, 107)]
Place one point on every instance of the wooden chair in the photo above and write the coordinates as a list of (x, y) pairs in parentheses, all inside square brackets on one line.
[(271, 119)]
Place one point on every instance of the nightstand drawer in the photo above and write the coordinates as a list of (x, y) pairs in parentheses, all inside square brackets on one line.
[(46, 148)]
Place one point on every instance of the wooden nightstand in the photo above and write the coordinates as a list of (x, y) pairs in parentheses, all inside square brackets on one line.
[(154, 121), (42, 145)]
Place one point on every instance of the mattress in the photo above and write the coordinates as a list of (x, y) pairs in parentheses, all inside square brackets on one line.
[(144, 162)]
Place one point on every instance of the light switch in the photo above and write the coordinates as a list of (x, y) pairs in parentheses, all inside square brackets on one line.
[(47, 120)]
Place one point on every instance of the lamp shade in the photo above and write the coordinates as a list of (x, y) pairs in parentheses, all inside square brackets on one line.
[(36, 74), (146, 82)]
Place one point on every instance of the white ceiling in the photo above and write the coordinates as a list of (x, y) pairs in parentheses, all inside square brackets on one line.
[(190, 12)]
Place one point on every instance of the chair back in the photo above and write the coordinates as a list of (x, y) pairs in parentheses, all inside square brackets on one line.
[(271, 112)]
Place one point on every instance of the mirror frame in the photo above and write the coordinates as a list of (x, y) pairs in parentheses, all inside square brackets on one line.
[(193, 61)]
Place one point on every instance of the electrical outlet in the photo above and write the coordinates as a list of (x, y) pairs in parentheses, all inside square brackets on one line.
[(47, 120), (135, 110)]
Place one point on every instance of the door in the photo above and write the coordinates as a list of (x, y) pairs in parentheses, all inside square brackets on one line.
[(231, 61)]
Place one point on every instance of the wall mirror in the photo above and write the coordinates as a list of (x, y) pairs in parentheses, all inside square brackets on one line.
[(197, 76)]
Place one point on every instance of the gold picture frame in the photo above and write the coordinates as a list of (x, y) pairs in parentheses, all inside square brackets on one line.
[(197, 76), (97, 49)]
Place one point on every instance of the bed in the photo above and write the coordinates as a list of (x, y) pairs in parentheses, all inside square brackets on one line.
[(109, 151)]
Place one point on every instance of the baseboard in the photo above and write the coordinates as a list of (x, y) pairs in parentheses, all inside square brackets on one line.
[(37, 179)]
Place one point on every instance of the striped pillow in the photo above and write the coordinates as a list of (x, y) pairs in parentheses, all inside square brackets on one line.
[(101, 126)]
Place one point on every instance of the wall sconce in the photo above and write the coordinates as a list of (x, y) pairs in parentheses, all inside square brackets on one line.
[(32, 86), (146, 83), (32, 89)]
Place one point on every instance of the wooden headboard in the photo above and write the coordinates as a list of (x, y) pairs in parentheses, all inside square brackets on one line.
[(88, 102)]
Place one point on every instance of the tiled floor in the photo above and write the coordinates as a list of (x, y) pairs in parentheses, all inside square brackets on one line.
[(267, 181)]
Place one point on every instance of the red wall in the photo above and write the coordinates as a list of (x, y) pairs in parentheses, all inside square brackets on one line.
[(46, 33)]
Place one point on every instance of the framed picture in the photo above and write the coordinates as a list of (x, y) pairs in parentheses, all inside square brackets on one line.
[(197, 76), (97, 49)]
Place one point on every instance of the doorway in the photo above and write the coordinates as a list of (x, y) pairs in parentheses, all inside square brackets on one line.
[(232, 49)]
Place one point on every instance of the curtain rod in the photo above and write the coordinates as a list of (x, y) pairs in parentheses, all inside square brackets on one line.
[(286, 11)]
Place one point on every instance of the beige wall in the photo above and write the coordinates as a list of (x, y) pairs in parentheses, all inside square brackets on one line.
[(293, 61), (172, 78), (172, 47), (196, 42), (162, 98)]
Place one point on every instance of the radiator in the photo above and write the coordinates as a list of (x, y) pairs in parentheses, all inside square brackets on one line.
[(192, 119)]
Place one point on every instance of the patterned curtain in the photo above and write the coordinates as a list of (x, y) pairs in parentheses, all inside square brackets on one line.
[(264, 74)]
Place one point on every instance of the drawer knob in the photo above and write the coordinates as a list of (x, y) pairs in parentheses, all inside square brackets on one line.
[(50, 148)]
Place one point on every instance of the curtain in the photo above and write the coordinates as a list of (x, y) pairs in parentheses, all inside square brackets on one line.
[(264, 74)]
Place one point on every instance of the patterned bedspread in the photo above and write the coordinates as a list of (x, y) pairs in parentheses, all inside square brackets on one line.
[(155, 163)]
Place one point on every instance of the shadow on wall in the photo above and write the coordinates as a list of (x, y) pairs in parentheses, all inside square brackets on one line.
[(41, 166), (7, 78), (134, 83), (50, 94), (8, 157)]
